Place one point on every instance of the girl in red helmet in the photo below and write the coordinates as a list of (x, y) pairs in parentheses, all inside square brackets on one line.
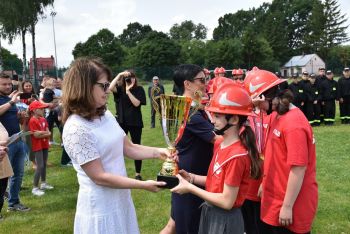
[(235, 159), (289, 188)]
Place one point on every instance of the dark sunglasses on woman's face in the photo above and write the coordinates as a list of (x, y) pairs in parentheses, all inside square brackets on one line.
[(104, 86), (201, 79)]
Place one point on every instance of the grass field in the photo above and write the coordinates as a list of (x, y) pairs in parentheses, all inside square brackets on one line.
[(54, 212)]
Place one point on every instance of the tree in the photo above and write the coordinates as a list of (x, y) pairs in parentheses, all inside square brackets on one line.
[(187, 30), (10, 61), (334, 29), (133, 34), (193, 52), (257, 51), (226, 53), (156, 50), (233, 25), (104, 45)]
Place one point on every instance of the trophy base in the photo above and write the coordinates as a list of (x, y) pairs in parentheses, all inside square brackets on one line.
[(171, 181)]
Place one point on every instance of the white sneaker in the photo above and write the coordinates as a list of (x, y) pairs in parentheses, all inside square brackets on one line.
[(37, 192), (45, 186)]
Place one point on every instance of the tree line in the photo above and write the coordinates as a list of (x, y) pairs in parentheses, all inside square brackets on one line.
[(266, 36)]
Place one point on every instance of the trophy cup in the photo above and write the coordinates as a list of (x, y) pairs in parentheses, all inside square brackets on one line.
[(174, 111)]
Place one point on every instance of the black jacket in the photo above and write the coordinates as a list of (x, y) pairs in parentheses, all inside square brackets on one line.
[(344, 87), (329, 90)]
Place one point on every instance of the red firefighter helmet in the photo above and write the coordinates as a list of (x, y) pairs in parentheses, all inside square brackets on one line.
[(231, 99), (216, 83), (206, 71), (258, 81), (221, 70), (216, 70), (239, 71)]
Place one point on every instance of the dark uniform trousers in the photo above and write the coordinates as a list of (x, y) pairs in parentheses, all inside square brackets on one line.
[(345, 110), (329, 112)]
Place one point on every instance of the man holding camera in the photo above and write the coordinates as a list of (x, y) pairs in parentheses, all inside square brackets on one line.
[(128, 98)]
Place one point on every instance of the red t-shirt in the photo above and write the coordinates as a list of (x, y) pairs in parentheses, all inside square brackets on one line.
[(38, 124), (230, 166), (290, 143), (260, 127)]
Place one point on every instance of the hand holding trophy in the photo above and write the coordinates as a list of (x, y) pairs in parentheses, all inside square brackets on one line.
[(174, 111)]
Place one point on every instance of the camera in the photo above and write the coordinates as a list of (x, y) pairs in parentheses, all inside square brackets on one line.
[(127, 79)]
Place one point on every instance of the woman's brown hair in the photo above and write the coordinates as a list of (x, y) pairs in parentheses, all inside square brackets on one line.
[(77, 88)]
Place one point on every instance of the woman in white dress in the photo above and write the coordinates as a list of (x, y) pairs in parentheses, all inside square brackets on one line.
[(96, 144)]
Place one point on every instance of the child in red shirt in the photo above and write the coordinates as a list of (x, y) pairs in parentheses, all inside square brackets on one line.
[(235, 159), (40, 145), (289, 187)]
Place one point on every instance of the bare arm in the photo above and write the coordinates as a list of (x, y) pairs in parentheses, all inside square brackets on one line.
[(41, 134), (139, 152), (224, 200), (136, 102), (117, 81), (295, 180), (96, 173)]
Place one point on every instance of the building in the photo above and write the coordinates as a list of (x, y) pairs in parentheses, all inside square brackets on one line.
[(298, 64), (43, 66)]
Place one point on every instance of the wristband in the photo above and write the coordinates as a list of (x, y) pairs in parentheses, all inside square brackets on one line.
[(12, 103), (191, 178)]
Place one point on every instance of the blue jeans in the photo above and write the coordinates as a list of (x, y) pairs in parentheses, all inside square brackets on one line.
[(16, 155)]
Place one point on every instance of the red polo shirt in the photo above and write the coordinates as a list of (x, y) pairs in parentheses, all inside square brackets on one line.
[(230, 166), (290, 143)]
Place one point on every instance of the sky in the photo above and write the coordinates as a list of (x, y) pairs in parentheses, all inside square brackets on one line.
[(77, 20)]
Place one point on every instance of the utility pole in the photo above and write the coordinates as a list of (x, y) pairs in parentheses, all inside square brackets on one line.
[(53, 14)]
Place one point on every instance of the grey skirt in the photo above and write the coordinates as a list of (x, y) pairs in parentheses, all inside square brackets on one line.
[(217, 220)]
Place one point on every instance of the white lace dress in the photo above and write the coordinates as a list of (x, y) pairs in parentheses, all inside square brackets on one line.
[(99, 209)]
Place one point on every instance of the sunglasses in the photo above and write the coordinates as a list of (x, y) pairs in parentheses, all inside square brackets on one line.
[(104, 86), (201, 79)]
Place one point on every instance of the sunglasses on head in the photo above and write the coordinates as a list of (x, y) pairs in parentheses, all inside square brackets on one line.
[(104, 86)]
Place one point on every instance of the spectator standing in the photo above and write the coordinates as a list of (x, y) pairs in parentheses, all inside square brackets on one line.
[(40, 145), (5, 166), (50, 98), (329, 93), (156, 89), (28, 96), (344, 96), (10, 118), (129, 97)]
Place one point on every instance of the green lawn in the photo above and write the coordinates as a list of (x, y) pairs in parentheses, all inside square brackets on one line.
[(54, 212)]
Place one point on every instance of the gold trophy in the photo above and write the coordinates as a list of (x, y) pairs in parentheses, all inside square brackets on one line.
[(174, 111)]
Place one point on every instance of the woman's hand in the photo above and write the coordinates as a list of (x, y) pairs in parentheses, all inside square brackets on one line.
[(285, 216), (182, 187), (164, 153), (153, 186), (129, 85)]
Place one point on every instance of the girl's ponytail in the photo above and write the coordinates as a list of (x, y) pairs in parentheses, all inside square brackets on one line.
[(247, 138)]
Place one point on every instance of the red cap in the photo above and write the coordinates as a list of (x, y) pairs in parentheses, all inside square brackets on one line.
[(37, 105)]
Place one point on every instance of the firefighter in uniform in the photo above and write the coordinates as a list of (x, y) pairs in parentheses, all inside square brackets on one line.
[(319, 79), (329, 93), (307, 108), (344, 96), (316, 101), (297, 91)]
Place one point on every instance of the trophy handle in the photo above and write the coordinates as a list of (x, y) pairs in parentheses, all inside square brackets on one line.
[(197, 99)]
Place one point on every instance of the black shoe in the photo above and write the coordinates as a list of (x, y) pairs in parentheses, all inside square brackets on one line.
[(138, 177), (18, 207)]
